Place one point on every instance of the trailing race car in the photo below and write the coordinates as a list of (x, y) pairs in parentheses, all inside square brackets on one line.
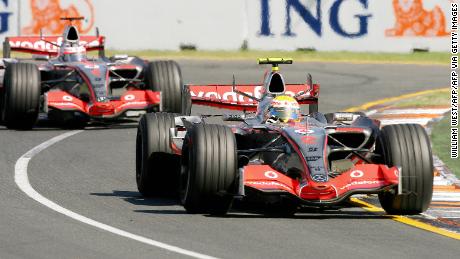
[(279, 156), (66, 85)]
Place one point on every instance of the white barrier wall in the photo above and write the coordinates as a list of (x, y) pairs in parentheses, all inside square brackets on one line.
[(354, 25)]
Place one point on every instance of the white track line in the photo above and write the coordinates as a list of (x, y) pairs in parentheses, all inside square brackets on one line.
[(22, 180), (422, 121), (414, 111)]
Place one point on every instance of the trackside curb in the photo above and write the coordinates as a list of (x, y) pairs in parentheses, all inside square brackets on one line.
[(443, 216)]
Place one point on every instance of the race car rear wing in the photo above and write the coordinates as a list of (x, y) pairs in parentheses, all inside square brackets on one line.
[(224, 96), (42, 46)]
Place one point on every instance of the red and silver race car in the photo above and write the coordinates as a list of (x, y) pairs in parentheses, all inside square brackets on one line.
[(63, 83), (312, 159)]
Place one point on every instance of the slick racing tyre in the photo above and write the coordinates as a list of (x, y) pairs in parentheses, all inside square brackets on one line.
[(157, 167), (165, 76), (209, 169), (21, 96), (312, 108), (407, 146), (6, 49)]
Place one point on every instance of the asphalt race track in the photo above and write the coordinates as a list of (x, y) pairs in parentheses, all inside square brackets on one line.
[(92, 173)]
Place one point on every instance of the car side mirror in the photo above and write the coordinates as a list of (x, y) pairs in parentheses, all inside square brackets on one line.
[(119, 57), (40, 57), (233, 117)]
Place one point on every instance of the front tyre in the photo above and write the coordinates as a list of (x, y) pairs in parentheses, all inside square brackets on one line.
[(157, 167), (407, 146), (21, 96), (209, 172)]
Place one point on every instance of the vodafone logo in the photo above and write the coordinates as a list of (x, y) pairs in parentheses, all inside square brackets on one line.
[(271, 175), (36, 43), (129, 97), (67, 98), (357, 174)]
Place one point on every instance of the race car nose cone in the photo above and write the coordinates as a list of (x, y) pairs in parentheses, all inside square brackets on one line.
[(104, 105), (317, 192), (321, 187), (102, 109)]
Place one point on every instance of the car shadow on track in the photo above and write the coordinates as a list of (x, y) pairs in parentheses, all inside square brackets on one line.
[(37, 128), (51, 126), (348, 211), (163, 212), (302, 214), (104, 126), (137, 199)]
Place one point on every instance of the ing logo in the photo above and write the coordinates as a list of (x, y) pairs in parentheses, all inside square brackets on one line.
[(413, 20), (46, 15)]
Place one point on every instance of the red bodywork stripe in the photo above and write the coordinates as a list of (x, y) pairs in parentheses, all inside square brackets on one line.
[(222, 96), (35, 45)]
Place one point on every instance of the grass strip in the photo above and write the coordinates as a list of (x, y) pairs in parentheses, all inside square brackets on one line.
[(421, 58)]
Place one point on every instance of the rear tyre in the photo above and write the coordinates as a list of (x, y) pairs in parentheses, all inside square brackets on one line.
[(6, 48), (407, 146), (209, 169), (21, 96), (157, 167), (166, 76), (312, 108), (2, 100)]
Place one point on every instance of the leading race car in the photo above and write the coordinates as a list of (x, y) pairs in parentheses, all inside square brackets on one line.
[(279, 156), (66, 85)]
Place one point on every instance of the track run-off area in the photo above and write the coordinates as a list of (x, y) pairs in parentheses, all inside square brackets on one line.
[(92, 208)]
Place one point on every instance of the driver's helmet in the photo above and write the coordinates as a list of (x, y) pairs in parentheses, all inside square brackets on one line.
[(283, 108), (73, 53)]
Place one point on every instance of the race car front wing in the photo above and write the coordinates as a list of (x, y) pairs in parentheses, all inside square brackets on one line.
[(125, 105), (362, 179)]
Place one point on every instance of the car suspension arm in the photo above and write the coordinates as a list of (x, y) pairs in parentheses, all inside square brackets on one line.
[(264, 149), (266, 146), (60, 80), (352, 150)]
